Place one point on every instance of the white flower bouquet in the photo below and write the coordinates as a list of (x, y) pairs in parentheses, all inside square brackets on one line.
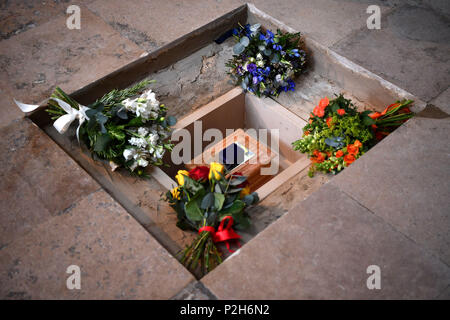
[(129, 127)]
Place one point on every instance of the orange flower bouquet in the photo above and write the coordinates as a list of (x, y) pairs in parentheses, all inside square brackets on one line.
[(337, 134)]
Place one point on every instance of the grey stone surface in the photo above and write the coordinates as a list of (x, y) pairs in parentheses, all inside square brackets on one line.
[(304, 15), (405, 180), (283, 199), (314, 18), (321, 249), (411, 49), (196, 80), (194, 291), (20, 16), (445, 295), (36, 181), (160, 21), (442, 101), (34, 62), (118, 259)]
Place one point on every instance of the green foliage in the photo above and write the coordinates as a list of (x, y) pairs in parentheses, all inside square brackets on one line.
[(116, 96)]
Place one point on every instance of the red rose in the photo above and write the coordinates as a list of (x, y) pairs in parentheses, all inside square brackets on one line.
[(199, 173), (340, 112)]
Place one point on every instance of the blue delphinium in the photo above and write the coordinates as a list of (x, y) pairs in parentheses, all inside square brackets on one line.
[(268, 38), (277, 47), (294, 52), (290, 86)]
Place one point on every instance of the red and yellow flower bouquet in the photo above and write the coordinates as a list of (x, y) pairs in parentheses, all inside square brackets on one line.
[(212, 203)]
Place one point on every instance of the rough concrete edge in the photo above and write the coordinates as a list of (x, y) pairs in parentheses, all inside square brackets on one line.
[(341, 60)]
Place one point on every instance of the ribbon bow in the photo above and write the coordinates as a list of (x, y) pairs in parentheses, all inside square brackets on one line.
[(223, 233), (62, 123)]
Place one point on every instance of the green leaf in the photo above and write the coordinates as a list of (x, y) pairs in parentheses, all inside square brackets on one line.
[(368, 121), (207, 201), (120, 111), (237, 180), (192, 185), (101, 142), (255, 197), (229, 199), (218, 188), (135, 122), (276, 58), (236, 207), (334, 107), (219, 199), (244, 41), (192, 210), (238, 48), (248, 199), (171, 120), (235, 190), (116, 132)]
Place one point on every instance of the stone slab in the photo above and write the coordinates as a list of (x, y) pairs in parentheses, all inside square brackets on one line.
[(8, 110), (307, 16), (38, 180), (194, 291), (405, 180), (19, 16), (281, 201), (34, 62), (118, 259), (162, 21), (321, 250), (411, 49), (326, 21)]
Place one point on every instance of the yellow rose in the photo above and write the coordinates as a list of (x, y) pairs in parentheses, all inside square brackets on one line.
[(245, 192), (214, 169), (175, 193), (180, 176)]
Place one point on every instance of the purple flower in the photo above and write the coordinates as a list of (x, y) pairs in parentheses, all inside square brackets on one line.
[(251, 67)]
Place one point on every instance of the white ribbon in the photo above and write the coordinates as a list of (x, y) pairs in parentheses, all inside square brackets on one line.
[(62, 123)]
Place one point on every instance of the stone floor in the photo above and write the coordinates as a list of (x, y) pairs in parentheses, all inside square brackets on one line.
[(391, 208)]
